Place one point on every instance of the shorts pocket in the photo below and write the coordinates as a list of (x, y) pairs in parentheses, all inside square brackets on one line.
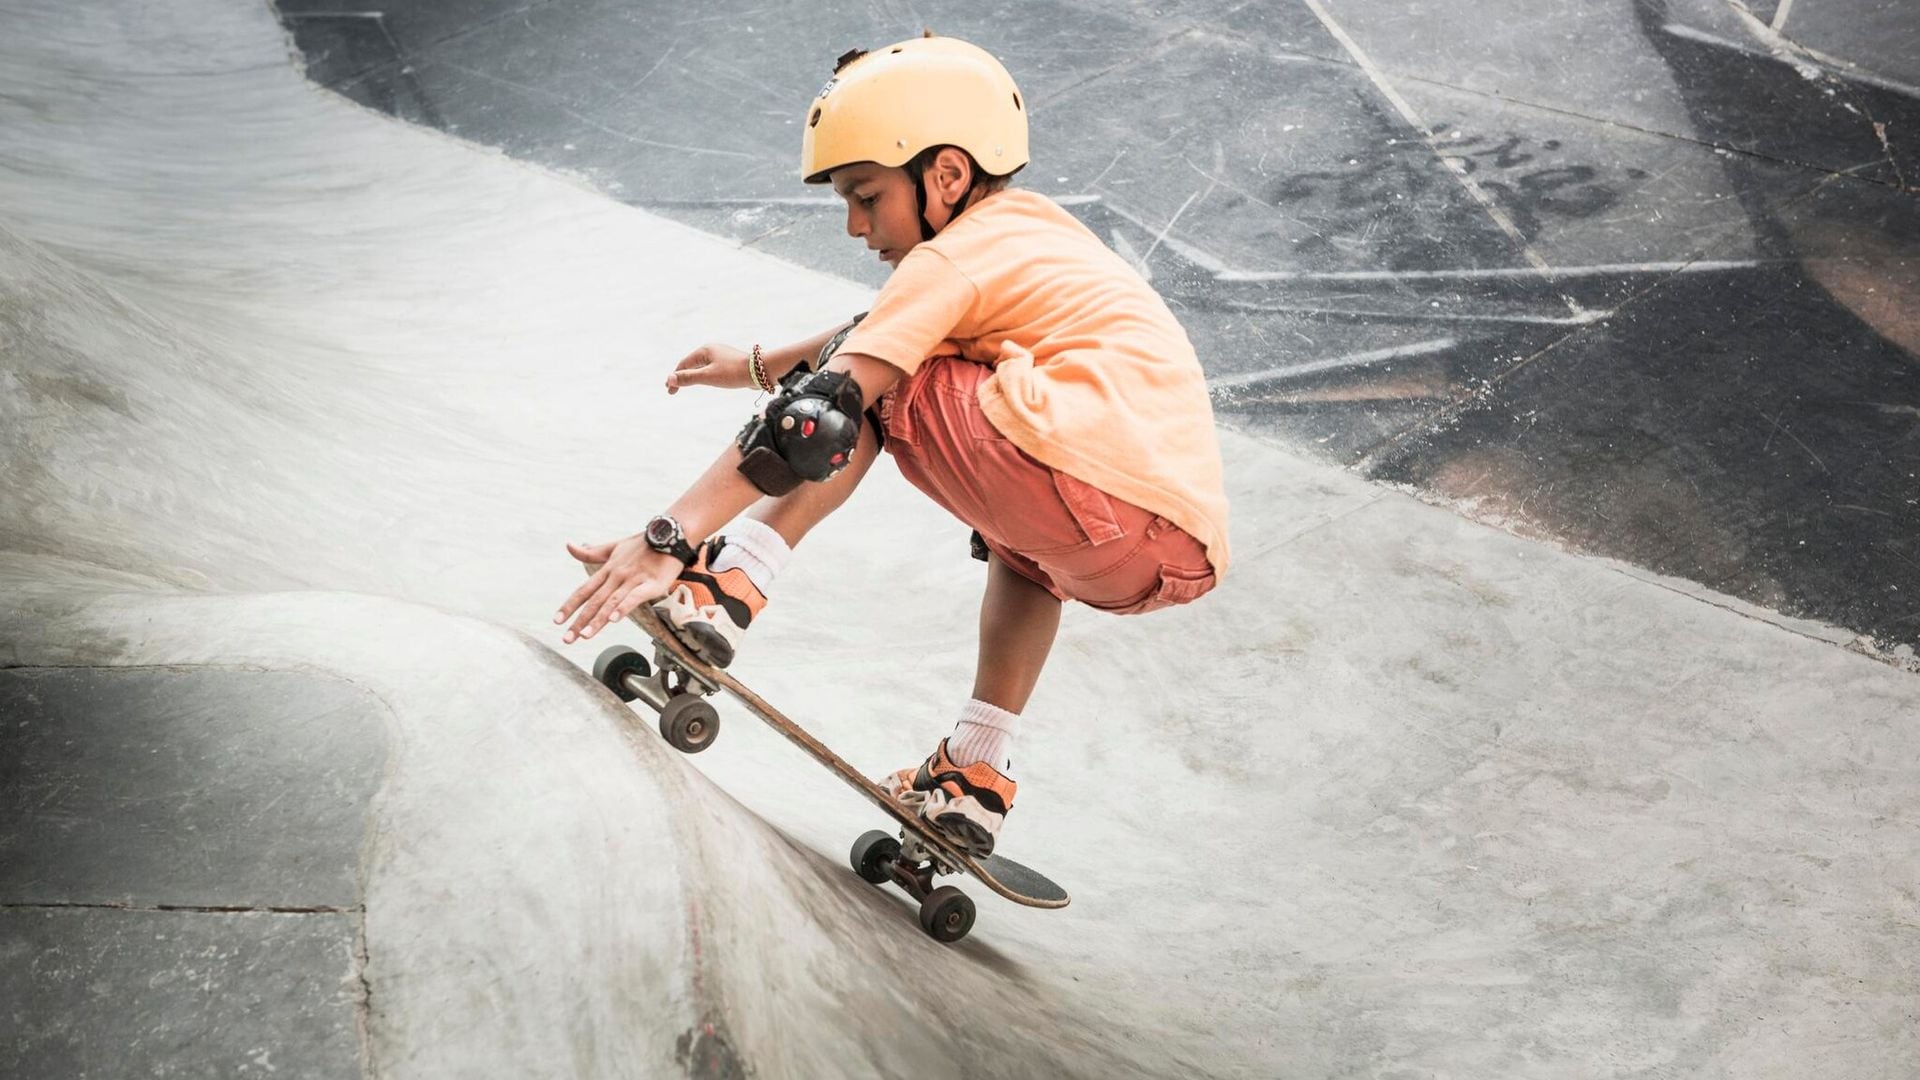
[(1091, 508), (1174, 586), (1179, 585)]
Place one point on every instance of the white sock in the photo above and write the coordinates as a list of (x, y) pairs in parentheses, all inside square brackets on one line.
[(755, 547), (983, 734)]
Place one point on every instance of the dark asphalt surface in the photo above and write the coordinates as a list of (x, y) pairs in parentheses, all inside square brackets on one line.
[(1639, 278)]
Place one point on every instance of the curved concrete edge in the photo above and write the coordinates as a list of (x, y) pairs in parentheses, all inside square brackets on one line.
[(551, 891), (516, 873)]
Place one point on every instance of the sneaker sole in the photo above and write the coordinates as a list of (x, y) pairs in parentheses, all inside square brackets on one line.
[(709, 645), (966, 834), (702, 640)]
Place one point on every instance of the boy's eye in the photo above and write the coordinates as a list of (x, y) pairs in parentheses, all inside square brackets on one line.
[(868, 200)]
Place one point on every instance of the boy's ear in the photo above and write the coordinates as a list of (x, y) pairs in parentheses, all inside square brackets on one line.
[(951, 175)]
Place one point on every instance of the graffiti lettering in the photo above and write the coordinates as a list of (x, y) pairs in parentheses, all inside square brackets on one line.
[(1530, 181)]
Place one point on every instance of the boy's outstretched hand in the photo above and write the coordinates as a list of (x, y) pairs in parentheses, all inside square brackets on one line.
[(711, 365), (626, 574)]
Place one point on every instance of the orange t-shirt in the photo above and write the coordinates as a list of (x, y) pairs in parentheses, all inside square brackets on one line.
[(1092, 373)]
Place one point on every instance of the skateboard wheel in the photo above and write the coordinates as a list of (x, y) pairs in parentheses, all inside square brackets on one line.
[(615, 663), (872, 854), (946, 914), (689, 724)]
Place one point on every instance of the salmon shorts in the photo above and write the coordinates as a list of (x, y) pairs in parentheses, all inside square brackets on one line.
[(1069, 537)]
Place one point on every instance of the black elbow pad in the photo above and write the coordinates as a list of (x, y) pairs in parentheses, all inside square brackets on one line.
[(808, 432)]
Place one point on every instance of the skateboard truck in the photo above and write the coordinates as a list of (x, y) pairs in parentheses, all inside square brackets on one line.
[(946, 913), (688, 721), (915, 850)]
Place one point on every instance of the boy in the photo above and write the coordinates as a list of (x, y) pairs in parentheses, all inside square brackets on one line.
[(1021, 374)]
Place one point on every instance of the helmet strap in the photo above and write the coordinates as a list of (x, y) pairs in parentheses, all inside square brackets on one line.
[(920, 199)]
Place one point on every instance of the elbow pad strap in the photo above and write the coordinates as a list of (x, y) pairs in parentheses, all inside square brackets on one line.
[(833, 344)]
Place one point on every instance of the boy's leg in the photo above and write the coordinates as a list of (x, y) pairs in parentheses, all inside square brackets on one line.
[(963, 787), (720, 594), (1018, 622)]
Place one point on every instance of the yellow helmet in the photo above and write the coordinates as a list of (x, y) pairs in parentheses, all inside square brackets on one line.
[(889, 105)]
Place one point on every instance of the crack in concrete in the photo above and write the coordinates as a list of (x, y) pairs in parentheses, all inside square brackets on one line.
[(363, 998), (1899, 174)]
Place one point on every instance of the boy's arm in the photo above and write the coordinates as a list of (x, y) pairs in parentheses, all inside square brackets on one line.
[(785, 358), (635, 574), (631, 573), (714, 364)]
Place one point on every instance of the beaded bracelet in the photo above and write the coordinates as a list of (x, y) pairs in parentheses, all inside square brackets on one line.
[(757, 368)]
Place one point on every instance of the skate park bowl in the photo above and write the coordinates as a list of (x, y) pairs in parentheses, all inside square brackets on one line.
[(299, 402)]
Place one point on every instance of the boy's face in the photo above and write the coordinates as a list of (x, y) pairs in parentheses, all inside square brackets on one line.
[(881, 208)]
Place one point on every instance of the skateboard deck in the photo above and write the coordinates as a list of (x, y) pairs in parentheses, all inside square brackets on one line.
[(677, 692)]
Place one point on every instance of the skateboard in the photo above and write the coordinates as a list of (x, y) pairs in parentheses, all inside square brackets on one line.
[(676, 687)]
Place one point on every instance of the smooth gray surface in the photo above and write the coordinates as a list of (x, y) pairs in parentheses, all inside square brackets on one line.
[(297, 388), (117, 993), (180, 870), (205, 788)]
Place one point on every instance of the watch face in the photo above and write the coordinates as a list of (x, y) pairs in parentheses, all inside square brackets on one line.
[(662, 532)]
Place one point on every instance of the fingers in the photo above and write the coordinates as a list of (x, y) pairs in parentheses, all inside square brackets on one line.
[(644, 590), (689, 370), (592, 554), (612, 602), (612, 591), (622, 602), (713, 364), (585, 599), (592, 616)]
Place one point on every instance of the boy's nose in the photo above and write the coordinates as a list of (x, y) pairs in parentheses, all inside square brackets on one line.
[(856, 225)]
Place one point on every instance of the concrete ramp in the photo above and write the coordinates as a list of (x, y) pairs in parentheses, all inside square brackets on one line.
[(297, 406), (534, 884)]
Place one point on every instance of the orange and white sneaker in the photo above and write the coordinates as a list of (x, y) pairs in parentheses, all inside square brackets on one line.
[(967, 803), (710, 612)]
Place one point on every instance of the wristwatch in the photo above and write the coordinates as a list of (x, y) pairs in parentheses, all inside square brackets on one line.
[(664, 534)]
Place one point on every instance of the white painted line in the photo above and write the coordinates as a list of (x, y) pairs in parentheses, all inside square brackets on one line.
[(1151, 248), (1775, 41), (1124, 248), (1435, 316), (1493, 273), (1336, 363), (1192, 254), (1853, 72), (1407, 113), (1204, 260), (1780, 16), (1845, 69)]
